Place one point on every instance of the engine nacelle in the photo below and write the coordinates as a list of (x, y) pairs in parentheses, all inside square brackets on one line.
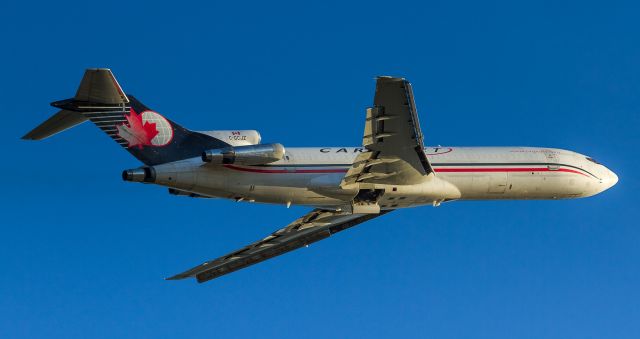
[(236, 138), (245, 155)]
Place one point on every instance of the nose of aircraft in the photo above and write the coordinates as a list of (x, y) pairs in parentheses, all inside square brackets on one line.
[(609, 179)]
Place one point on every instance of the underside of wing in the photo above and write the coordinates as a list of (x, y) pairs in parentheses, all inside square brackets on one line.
[(393, 139), (314, 226)]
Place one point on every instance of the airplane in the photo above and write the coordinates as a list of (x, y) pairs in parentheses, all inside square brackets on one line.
[(345, 186)]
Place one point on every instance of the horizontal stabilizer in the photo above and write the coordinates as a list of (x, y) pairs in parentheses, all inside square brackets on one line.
[(99, 86), (59, 122)]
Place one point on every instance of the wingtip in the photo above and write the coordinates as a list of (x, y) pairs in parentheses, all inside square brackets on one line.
[(30, 136), (98, 69), (180, 276), (390, 78)]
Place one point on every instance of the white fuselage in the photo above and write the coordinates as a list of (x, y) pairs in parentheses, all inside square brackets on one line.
[(312, 176)]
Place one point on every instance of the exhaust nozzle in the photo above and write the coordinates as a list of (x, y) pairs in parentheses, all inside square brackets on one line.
[(144, 174)]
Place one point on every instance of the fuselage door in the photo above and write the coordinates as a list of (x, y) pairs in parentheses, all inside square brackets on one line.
[(552, 160)]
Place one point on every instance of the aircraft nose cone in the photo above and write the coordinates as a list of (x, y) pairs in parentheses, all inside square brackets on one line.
[(614, 178), (610, 179)]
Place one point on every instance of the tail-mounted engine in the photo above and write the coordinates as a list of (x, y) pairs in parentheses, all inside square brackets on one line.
[(142, 174), (245, 155), (236, 138)]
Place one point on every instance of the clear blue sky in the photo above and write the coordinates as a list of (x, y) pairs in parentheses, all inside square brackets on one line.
[(84, 254)]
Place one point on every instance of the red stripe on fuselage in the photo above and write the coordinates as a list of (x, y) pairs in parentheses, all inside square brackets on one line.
[(443, 170)]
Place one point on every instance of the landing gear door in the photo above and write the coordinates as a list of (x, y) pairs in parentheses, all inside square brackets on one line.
[(366, 201)]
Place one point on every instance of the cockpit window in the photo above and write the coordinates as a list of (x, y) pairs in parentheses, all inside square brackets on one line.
[(593, 160)]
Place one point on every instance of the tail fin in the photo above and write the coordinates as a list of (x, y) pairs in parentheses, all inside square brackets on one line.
[(146, 134)]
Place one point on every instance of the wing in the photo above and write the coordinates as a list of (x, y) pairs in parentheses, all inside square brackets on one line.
[(315, 226), (393, 138)]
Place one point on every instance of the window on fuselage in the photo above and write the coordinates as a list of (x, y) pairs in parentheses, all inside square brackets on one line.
[(592, 160)]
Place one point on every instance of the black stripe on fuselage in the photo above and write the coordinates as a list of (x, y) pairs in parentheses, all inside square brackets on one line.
[(512, 164), (443, 164)]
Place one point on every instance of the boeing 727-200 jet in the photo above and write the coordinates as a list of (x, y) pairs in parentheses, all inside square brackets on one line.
[(345, 186)]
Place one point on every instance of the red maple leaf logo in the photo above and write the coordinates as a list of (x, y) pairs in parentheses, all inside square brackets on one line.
[(135, 132)]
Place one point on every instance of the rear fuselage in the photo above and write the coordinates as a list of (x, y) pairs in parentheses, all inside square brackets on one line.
[(312, 176)]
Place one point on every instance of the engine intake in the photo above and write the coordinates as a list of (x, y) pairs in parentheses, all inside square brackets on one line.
[(245, 155)]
